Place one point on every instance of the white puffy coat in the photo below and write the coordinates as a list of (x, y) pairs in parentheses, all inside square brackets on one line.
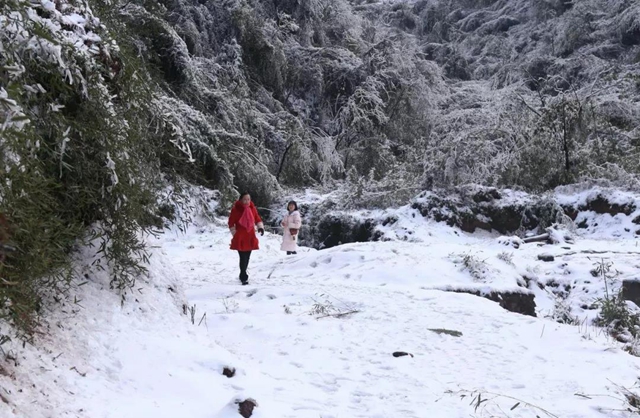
[(291, 220)]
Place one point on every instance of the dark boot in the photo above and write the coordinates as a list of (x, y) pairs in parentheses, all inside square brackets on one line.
[(244, 263)]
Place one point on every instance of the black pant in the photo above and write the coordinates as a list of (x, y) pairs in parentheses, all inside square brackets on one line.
[(244, 263)]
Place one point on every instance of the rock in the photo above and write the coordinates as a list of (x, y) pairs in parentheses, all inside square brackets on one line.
[(445, 331), (571, 212), (245, 408), (522, 303), (601, 206), (229, 372), (401, 354), (470, 223), (546, 257), (475, 209), (486, 195), (333, 230), (631, 290), (636, 220), (390, 220), (514, 241)]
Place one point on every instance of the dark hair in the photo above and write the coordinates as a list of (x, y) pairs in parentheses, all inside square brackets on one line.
[(294, 204), (243, 194)]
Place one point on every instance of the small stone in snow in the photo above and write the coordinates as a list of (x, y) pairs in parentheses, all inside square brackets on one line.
[(246, 407), (401, 354), (546, 257), (229, 372)]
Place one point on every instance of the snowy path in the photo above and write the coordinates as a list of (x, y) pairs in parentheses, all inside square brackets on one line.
[(343, 367), (144, 359)]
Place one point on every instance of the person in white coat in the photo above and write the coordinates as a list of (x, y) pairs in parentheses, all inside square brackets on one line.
[(291, 225)]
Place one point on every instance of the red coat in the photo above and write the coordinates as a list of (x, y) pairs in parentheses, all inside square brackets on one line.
[(244, 239)]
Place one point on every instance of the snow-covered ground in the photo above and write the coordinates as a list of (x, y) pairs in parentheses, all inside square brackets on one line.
[(145, 359)]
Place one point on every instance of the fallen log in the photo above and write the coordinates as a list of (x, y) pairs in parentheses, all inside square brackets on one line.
[(537, 238)]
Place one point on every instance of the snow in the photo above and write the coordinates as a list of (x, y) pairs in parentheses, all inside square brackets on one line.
[(568, 195), (144, 358)]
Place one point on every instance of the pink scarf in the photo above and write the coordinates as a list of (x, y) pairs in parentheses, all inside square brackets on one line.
[(247, 220)]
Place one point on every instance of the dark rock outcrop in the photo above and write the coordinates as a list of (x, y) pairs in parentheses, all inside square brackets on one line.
[(522, 303), (482, 209), (334, 230), (324, 227), (601, 205), (468, 208), (631, 290)]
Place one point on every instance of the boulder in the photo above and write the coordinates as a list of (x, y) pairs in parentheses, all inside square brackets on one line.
[(631, 290), (546, 257), (601, 205), (518, 302), (229, 372), (245, 408)]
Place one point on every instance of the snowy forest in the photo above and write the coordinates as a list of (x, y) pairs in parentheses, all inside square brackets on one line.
[(111, 109), (492, 147)]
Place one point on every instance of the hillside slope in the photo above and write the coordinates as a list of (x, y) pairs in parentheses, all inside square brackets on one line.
[(146, 359)]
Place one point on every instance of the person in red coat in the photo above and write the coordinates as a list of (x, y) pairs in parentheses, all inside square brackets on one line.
[(242, 224)]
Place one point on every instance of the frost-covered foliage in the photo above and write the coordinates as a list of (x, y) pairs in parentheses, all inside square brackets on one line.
[(428, 93), (288, 93), (538, 93), (77, 158)]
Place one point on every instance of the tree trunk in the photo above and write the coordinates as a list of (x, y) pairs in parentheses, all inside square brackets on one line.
[(284, 156)]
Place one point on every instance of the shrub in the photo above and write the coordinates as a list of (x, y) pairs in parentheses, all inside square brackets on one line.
[(476, 267), (80, 159), (615, 313), (507, 257)]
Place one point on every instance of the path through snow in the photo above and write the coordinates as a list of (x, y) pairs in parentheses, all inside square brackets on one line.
[(342, 367), (145, 359)]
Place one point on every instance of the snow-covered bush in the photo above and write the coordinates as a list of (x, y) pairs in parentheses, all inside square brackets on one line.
[(562, 313), (621, 320), (476, 267), (78, 159)]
